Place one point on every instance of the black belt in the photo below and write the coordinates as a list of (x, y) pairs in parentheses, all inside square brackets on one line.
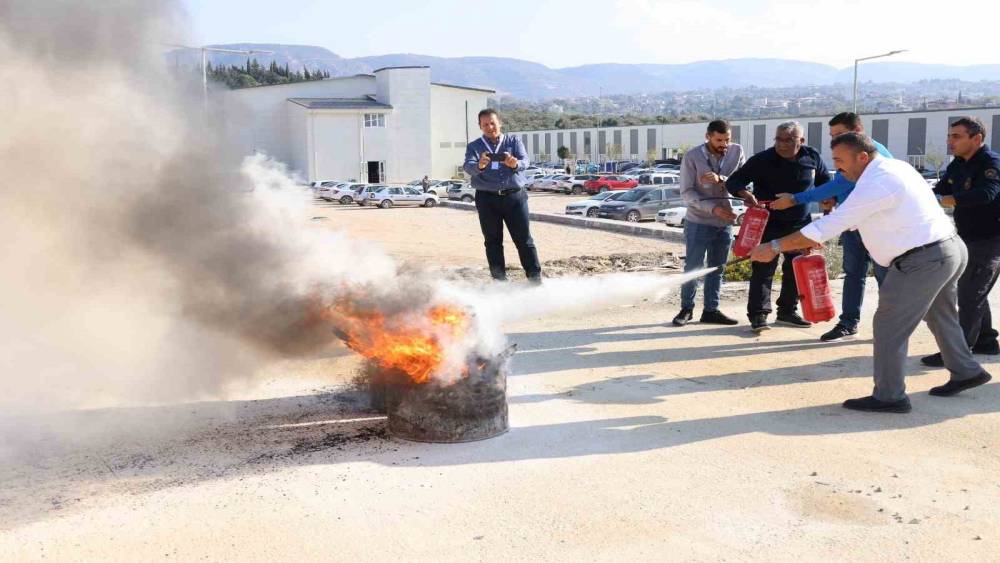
[(508, 191), (919, 248)]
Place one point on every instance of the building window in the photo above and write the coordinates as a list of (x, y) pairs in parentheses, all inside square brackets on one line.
[(374, 120)]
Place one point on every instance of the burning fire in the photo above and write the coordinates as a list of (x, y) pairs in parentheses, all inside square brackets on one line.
[(413, 343)]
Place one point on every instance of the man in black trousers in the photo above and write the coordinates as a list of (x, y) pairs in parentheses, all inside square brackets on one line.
[(496, 164), (788, 167), (971, 185)]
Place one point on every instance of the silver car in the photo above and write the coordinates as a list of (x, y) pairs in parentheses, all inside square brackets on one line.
[(388, 196), (640, 203), (462, 191), (590, 206)]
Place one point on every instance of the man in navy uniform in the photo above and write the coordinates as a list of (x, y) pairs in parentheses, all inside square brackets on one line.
[(496, 164), (971, 184), (788, 167)]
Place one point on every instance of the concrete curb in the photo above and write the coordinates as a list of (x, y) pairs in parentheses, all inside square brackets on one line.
[(621, 227)]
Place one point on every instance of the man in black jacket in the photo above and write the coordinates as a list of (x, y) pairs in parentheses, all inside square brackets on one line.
[(788, 167), (971, 184)]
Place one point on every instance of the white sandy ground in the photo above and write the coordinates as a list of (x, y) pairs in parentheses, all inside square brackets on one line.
[(629, 440)]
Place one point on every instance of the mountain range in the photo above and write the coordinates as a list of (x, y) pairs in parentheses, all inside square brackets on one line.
[(534, 81)]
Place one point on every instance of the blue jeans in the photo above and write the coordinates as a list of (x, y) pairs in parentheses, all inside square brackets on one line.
[(856, 261), (705, 240)]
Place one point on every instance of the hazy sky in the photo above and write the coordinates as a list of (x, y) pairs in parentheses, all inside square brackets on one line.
[(570, 33)]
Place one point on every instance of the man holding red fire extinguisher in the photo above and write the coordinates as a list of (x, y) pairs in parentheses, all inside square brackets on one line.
[(906, 232), (788, 167)]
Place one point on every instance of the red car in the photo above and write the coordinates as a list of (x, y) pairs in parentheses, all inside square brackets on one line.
[(612, 183)]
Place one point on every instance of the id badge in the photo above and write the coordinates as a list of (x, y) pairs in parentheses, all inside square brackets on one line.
[(495, 166)]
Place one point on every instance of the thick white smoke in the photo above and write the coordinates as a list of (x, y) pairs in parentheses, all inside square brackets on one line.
[(142, 259)]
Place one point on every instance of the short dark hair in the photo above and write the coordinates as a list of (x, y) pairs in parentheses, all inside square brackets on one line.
[(719, 126), (487, 112), (973, 125), (858, 142), (848, 119)]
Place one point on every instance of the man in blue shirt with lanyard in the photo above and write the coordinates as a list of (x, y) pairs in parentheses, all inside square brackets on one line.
[(856, 258), (496, 164)]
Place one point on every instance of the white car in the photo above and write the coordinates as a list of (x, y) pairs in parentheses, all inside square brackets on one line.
[(325, 189), (536, 183), (343, 193), (659, 178), (674, 216), (463, 192), (589, 207), (388, 196), (556, 183)]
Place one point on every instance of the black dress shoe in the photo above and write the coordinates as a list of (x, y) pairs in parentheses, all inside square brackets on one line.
[(717, 318), (684, 317), (871, 404), (758, 323), (792, 318), (933, 361), (957, 386), (989, 348)]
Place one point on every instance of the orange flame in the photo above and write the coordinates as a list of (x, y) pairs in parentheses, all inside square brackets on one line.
[(409, 343)]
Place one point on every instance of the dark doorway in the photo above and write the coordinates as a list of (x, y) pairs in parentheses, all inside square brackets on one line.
[(376, 171)]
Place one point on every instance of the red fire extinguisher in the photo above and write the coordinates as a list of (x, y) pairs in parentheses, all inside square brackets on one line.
[(814, 288), (751, 231)]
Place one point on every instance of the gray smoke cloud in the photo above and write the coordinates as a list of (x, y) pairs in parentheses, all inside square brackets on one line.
[(142, 258)]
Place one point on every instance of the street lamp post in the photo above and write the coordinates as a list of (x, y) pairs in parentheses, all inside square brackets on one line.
[(204, 62), (856, 61)]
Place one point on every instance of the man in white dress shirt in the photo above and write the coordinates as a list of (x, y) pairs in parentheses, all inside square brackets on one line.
[(906, 231)]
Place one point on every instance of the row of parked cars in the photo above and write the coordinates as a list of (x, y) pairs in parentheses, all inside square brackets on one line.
[(663, 204), (663, 174), (380, 195)]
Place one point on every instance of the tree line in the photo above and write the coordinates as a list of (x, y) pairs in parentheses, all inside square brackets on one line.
[(255, 74)]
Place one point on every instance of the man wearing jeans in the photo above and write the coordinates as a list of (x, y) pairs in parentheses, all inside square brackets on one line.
[(907, 232), (707, 224), (856, 260)]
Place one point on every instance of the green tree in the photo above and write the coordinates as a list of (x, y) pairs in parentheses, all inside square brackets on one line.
[(562, 153)]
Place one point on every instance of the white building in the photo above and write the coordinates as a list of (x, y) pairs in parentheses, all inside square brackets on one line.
[(918, 137), (393, 125)]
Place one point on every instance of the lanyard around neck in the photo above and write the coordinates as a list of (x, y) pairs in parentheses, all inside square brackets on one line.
[(708, 160), (489, 147)]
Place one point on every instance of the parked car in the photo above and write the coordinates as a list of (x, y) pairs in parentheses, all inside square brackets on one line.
[(344, 193), (635, 205), (674, 216), (609, 182), (363, 193), (659, 178), (589, 207), (388, 196), (325, 189), (462, 192), (577, 182), (536, 182), (556, 183), (668, 167)]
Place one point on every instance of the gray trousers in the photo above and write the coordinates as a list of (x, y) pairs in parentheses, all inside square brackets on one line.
[(922, 285)]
